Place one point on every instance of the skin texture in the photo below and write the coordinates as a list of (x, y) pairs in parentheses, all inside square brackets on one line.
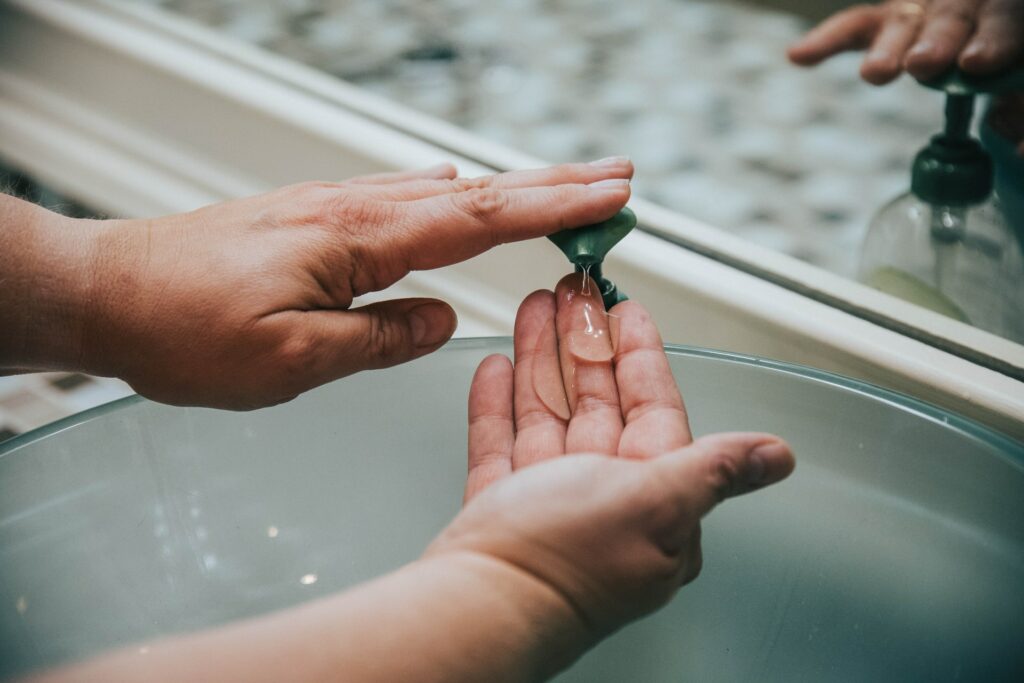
[(249, 303), (923, 37), (538, 567)]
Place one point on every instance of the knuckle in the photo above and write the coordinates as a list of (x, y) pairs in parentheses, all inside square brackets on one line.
[(374, 212), (596, 403), (336, 206), (383, 339), (350, 209), (654, 406), (724, 472), (296, 364), (489, 457), (295, 355), (484, 204), (536, 415), (488, 419), (467, 184)]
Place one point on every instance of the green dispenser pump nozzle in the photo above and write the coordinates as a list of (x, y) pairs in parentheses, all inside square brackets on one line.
[(954, 169), (586, 248)]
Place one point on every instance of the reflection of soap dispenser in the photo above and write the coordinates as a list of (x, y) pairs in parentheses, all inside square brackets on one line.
[(946, 244)]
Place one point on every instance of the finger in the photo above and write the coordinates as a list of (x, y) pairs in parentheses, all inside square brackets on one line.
[(884, 61), (999, 40), (438, 171), (653, 411), (491, 430), (323, 345), (851, 29), (948, 26), (439, 231), (585, 354), (721, 466), (564, 174), (540, 409)]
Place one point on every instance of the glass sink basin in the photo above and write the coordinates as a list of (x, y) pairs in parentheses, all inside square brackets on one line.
[(894, 552)]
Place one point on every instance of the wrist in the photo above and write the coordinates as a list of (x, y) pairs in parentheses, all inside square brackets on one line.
[(544, 629), (44, 267)]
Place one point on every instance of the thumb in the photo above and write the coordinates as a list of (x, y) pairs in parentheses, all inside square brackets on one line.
[(720, 466), (383, 334)]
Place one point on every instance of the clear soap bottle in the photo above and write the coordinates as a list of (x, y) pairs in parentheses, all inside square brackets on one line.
[(946, 244)]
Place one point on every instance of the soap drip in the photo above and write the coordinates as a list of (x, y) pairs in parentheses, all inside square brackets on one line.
[(583, 333), (593, 343), (585, 289)]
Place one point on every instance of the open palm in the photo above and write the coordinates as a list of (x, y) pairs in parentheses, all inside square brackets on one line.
[(627, 405), (583, 475)]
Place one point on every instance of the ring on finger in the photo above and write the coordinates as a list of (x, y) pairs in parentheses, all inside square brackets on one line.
[(910, 10)]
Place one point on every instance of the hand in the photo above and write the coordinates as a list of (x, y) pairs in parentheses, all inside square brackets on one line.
[(925, 37), (614, 531), (539, 565), (246, 303)]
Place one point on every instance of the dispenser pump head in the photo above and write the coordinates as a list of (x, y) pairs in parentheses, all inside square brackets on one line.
[(954, 169), (586, 248)]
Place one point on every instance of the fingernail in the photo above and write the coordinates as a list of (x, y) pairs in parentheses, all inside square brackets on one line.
[(973, 56), (430, 324), (608, 162), (771, 450), (920, 49), (610, 184)]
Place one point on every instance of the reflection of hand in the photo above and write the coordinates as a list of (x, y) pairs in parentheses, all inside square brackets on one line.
[(246, 303), (925, 37), (614, 532)]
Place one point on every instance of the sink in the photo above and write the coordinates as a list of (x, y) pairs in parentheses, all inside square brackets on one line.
[(894, 552)]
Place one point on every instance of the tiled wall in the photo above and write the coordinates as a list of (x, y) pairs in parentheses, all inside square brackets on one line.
[(697, 92)]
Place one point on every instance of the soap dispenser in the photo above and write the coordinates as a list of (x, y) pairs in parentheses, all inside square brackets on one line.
[(587, 246), (946, 244)]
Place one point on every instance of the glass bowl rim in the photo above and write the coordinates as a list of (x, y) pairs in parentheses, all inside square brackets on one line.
[(1006, 445)]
